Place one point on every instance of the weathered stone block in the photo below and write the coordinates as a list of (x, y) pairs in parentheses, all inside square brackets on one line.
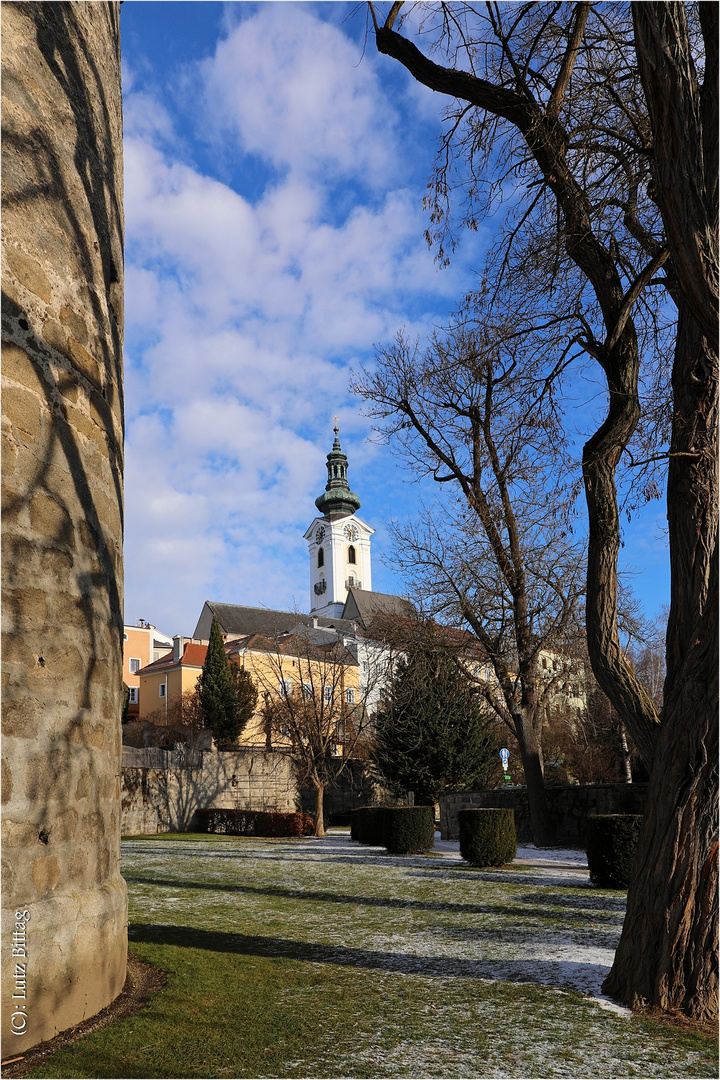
[(28, 272), (45, 874)]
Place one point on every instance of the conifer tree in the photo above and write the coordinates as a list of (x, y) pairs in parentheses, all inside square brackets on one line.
[(218, 696), (247, 695), (431, 731)]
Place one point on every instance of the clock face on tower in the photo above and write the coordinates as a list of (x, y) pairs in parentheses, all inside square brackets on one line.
[(351, 532), (320, 534)]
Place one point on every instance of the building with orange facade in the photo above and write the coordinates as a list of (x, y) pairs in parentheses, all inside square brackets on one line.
[(142, 644)]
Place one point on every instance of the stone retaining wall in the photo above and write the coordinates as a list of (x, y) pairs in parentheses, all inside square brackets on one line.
[(354, 788), (570, 806), (165, 799)]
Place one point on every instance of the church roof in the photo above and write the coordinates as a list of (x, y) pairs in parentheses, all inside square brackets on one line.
[(362, 606), (239, 621)]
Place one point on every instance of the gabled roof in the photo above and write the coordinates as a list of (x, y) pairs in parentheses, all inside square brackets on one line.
[(193, 656), (239, 621), (294, 645), (362, 606)]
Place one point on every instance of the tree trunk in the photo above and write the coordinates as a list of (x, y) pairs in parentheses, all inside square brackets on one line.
[(319, 811), (667, 955), (540, 821), (601, 455)]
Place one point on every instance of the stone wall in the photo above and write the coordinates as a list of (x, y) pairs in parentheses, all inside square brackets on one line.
[(354, 788), (62, 460), (165, 799), (570, 806)]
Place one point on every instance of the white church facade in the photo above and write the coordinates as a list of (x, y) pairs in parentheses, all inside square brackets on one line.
[(339, 542)]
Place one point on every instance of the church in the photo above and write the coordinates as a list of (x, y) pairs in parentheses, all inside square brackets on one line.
[(340, 587)]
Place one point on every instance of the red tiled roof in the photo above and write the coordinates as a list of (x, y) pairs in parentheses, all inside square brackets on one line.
[(193, 656)]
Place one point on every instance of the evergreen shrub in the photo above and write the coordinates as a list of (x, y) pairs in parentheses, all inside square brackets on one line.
[(254, 822), (487, 836), (370, 825), (409, 829), (354, 824), (611, 840)]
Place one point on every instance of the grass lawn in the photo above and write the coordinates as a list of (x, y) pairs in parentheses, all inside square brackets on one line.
[(306, 958)]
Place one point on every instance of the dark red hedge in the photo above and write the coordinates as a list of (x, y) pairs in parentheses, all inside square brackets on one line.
[(254, 822)]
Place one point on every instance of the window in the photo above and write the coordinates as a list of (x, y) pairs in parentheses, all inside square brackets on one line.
[(285, 687), (321, 557), (125, 637), (163, 689), (307, 690), (328, 693), (133, 699), (134, 666), (350, 696), (365, 667), (351, 554)]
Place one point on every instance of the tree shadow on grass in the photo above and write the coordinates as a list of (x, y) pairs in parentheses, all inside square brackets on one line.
[(440, 906), (321, 897), (586, 978), (503, 876), (528, 934), (614, 903)]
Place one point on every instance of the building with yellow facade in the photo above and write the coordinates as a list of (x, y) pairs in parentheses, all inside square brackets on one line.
[(290, 663)]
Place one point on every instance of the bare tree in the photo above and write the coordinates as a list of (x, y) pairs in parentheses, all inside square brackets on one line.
[(647, 653), (549, 95), (471, 410), (313, 706)]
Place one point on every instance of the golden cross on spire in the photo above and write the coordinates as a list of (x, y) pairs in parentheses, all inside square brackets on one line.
[(337, 421)]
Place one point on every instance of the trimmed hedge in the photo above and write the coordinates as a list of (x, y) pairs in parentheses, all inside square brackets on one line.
[(610, 846), (370, 825), (409, 829), (487, 836), (354, 824), (254, 822)]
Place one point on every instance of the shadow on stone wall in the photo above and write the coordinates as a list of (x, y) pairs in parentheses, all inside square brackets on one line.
[(570, 806), (62, 323), (166, 799)]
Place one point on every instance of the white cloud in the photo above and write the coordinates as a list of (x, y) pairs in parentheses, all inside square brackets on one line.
[(293, 89)]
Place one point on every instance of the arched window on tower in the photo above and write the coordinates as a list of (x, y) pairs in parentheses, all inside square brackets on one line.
[(321, 557), (351, 554)]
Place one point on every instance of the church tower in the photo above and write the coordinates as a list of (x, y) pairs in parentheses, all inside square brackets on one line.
[(339, 541)]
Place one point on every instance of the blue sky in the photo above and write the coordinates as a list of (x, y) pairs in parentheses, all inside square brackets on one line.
[(275, 169)]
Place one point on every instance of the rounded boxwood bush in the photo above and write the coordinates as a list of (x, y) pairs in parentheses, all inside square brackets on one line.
[(611, 840), (370, 825), (487, 836), (409, 829)]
